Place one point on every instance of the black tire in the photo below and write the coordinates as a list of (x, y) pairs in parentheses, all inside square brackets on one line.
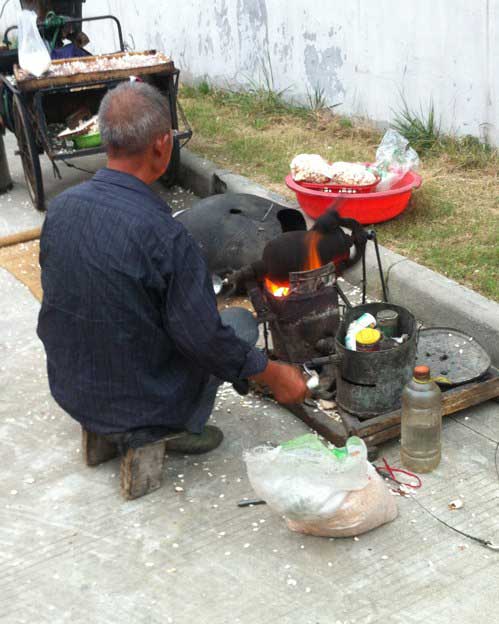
[(170, 177), (30, 158)]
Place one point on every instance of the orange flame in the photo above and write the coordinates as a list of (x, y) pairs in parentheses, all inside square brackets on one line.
[(313, 261), (313, 258), (276, 289)]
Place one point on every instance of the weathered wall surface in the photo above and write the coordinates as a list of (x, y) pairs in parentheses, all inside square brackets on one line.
[(362, 53)]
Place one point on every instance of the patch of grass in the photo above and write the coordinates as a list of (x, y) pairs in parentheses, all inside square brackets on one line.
[(255, 103), (316, 99), (468, 152), (345, 122), (425, 136), (420, 128), (452, 222), (451, 227), (204, 87)]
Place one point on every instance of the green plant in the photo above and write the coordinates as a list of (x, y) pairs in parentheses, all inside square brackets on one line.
[(424, 134), (263, 88), (421, 128), (345, 122), (317, 100), (204, 87), (189, 91), (260, 124)]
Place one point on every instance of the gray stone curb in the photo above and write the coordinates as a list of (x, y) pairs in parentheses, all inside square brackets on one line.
[(431, 297)]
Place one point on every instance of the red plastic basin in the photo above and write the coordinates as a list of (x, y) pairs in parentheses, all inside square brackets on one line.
[(373, 207)]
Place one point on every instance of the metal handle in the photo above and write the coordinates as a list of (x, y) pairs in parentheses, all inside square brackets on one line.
[(334, 359), (313, 381)]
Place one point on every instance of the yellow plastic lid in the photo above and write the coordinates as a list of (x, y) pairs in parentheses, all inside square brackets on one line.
[(368, 336)]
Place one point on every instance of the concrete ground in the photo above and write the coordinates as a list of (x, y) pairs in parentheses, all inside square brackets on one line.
[(71, 550)]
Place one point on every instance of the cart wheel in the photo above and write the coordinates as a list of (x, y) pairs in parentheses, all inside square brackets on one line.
[(29, 155), (170, 176)]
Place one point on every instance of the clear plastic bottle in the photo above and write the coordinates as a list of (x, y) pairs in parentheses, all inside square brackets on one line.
[(421, 422)]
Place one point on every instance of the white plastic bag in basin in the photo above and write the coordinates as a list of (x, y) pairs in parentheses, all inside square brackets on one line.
[(394, 158)]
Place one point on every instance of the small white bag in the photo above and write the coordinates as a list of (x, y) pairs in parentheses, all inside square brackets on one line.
[(33, 54), (361, 511), (321, 490)]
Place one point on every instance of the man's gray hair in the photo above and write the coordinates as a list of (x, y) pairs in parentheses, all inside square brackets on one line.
[(132, 116)]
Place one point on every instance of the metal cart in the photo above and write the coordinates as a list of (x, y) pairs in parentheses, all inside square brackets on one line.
[(37, 109)]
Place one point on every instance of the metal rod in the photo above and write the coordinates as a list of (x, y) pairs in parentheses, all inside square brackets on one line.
[(344, 298), (267, 213), (364, 277), (250, 502), (172, 98), (39, 124), (266, 336), (378, 257), (334, 358), (79, 20)]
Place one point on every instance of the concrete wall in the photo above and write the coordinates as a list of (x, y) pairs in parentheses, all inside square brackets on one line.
[(361, 53)]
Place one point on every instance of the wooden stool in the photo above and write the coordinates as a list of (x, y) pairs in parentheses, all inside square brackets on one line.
[(141, 468), (96, 449)]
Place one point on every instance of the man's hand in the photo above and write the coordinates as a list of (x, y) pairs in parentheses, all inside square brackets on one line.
[(286, 382)]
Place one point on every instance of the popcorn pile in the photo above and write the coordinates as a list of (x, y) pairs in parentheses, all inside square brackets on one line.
[(100, 63), (107, 63), (310, 168), (351, 174), (313, 168)]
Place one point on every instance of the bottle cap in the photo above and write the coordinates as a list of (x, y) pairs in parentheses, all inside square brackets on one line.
[(368, 336), (422, 373), (386, 315)]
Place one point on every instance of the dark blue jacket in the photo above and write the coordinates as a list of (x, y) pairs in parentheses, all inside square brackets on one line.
[(129, 319)]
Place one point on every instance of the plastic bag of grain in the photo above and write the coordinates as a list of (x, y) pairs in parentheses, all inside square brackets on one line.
[(33, 54), (325, 491), (361, 511)]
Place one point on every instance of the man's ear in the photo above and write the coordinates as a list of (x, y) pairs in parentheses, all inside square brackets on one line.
[(163, 144)]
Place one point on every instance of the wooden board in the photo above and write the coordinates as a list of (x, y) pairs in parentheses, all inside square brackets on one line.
[(375, 431), (26, 82), (332, 430), (453, 400)]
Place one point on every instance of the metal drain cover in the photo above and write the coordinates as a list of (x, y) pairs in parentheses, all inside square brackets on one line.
[(451, 353)]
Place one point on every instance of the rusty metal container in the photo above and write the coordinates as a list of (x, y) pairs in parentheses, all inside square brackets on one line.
[(306, 321), (370, 384)]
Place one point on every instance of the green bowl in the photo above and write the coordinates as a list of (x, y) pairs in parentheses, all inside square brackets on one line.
[(87, 140)]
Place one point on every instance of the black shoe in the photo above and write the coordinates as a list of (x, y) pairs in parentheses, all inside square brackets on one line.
[(195, 443)]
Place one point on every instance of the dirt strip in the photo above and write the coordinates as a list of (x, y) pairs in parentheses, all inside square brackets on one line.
[(22, 262)]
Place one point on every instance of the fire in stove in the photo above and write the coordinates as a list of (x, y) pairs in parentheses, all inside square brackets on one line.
[(301, 251), (304, 321), (309, 250), (276, 289), (294, 286)]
